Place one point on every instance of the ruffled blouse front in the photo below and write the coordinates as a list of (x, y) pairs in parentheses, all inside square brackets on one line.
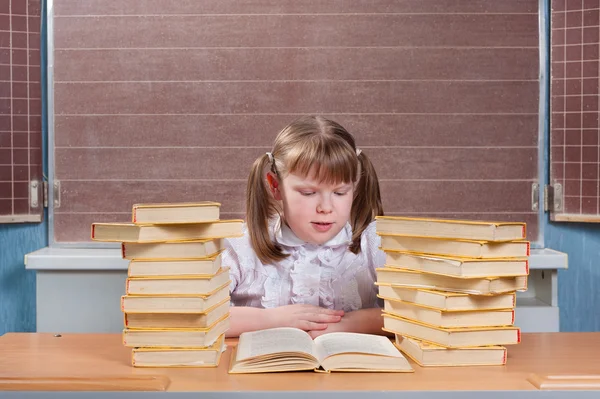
[(327, 275)]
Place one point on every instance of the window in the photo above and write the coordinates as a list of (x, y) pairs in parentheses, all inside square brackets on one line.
[(575, 133), (21, 182)]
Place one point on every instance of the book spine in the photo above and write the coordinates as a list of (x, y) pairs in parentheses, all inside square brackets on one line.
[(512, 321), (527, 267), (524, 231), (518, 335), (93, 231), (528, 248), (123, 251), (134, 215), (504, 356)]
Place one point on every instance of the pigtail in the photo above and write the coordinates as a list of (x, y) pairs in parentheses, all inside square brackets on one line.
[(367, 201), (260, 208)]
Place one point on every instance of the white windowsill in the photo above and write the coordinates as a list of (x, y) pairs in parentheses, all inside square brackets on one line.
[(110, 259)]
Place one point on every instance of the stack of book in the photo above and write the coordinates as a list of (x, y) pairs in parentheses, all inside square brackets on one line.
[(449, 288), (176, 302)]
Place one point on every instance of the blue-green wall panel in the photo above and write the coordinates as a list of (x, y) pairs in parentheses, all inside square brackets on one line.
[(17, 285), (579, 285)]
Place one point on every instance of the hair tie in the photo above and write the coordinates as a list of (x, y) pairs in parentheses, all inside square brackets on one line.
[(270, 157), (358, 152)]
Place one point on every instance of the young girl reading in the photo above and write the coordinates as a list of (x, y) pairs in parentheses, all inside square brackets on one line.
[(309, 251)]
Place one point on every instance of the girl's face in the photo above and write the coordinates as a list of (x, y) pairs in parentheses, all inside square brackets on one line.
[(316, 212)]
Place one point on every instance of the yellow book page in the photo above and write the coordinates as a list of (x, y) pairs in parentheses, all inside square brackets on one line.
[(478, 242), (179, 295), (207, 329), (401, 270), (488, 278), (444, 311), (462, 259), (176, 204), (452, 329), (450, 365), (232, 364), (453, 221), (218, 344), (207, 259), (194, 313), (442, 293), (183, 276), (166, 260)]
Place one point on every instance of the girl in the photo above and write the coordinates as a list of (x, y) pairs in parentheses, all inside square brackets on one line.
[(309, 251)]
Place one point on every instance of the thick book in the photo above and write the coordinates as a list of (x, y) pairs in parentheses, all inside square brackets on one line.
[(167, 285), (292, 349), (179, 357), (429, 355), (129, 232), (452, 337), (174, 267), (441, 318), (176, 337), (450, 228), (149, 321), (458, 267), (171, 250), (448, 301), (172, 213), (475, 286), (174, 303), (455, 248)]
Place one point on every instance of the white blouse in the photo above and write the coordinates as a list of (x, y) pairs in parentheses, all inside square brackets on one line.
[(327, 275)]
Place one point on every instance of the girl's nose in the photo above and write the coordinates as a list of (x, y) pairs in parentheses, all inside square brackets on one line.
[(324, 206)]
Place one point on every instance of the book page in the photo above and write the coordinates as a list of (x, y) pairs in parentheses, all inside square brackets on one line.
[(274, 340), (337, 343)]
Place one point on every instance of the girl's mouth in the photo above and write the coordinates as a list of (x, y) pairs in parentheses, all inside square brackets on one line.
[(322, 226)]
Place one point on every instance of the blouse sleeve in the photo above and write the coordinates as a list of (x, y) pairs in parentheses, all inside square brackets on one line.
[(239, 256), (370, 245), (230, 259)]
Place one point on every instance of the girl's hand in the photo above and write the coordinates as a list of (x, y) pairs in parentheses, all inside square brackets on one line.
[(304, 317), (366, 321), (344, 325)]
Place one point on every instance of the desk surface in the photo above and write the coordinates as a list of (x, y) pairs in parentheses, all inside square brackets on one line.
[(60, 363)]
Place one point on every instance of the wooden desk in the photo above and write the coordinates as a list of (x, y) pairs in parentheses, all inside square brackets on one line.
[(44, 363)]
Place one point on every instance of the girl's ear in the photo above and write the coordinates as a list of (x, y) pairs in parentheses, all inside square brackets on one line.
[(274, 185)]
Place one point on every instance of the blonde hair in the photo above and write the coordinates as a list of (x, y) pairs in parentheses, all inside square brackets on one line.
[(311, 144)]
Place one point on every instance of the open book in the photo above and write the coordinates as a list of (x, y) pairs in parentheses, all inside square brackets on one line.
[(291, 349)]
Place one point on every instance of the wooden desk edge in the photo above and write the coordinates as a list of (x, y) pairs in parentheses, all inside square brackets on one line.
[(101, 383), (564, 382)]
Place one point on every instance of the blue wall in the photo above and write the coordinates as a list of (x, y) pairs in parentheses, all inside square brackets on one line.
[(579, 285), (17, 285)]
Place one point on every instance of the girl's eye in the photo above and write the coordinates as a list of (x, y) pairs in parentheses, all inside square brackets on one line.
[(307, 193), (340, 193)]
